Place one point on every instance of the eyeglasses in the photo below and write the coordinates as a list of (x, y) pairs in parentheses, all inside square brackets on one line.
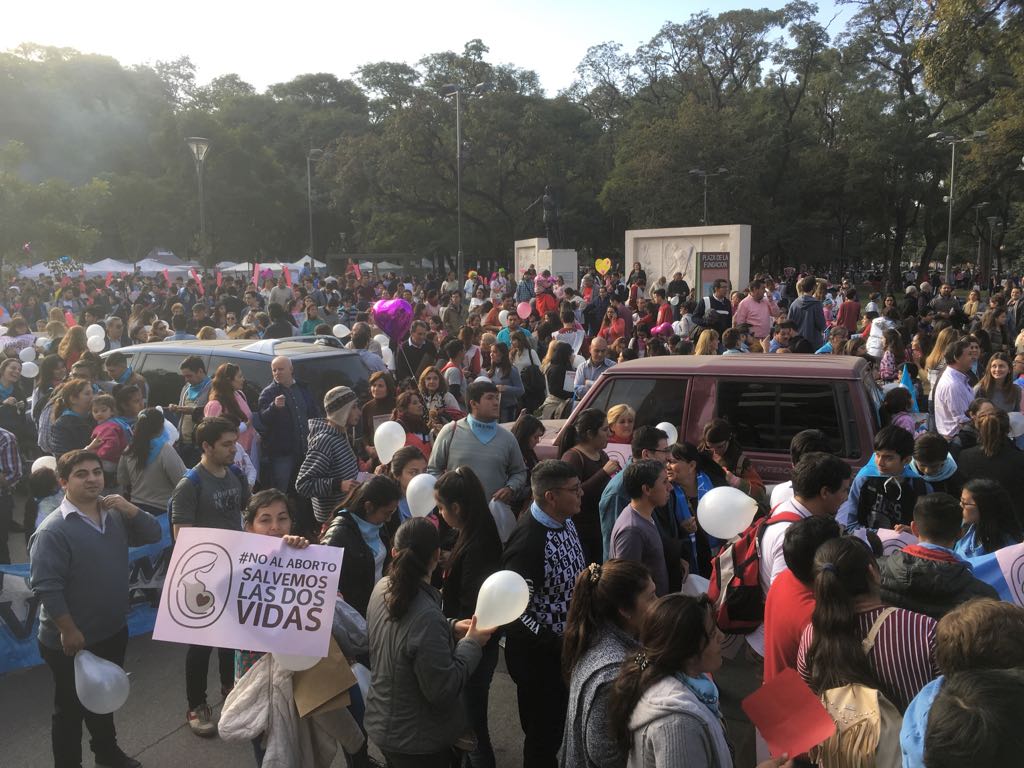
[(577, 489)]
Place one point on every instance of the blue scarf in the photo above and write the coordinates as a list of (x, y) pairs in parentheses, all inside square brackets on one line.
[(125, 424), (485, 431), (683, 514), (195, 392), (73, 413), (703, 688), (371, 534), (155, 446), (403, 510), (6, 392), (123, 378)]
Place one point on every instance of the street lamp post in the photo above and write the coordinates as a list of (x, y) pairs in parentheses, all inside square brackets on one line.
[(701, 173), (952, 139), (200, 147), (991, 241), (977, 226), (448, 91), (313, 154)]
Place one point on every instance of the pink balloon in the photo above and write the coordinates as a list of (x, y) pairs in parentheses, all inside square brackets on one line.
[(664, 328), (393, 316), (524, 310)]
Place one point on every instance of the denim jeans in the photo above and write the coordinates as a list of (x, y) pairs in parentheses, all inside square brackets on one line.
[(281, 470), (476, 697), (197, 667), (68, 712)]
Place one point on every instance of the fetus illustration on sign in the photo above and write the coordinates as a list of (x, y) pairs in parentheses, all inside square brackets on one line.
[(197, 591)]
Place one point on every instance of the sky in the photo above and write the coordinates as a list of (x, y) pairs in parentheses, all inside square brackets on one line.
[(269, 42)]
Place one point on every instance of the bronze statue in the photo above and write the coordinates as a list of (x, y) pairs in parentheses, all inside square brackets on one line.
[(550, 216)]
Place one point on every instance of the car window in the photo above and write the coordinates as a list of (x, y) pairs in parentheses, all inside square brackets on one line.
[(325, 372), (766, 416), (163, 377), (654, 400)]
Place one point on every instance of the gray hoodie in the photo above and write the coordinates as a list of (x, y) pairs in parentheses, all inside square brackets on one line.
[(671, 727)]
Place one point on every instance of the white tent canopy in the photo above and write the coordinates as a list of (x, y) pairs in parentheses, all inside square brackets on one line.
[(153, 267), (108, 265)]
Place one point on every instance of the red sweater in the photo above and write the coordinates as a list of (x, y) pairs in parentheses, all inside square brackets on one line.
[(787, 611)]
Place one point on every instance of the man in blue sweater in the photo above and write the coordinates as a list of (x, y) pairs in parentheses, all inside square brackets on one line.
[(79, 572)]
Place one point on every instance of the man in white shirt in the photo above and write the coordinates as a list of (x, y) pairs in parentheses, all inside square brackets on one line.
[(953, 393), (588, 373), (821, 483)]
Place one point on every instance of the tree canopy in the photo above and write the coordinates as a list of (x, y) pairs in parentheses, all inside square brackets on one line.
[(824, 141)]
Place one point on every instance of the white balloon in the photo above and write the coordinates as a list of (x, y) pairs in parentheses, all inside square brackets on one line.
[(503, 317), (295, 663), (3, 330), (577, 361), (42, 342), (502, 599), (96, 343), (674, 301), (1016, 424), (420, 495), (725, 512), (341, 330), (671, 431), (171, 431), (389, 437), (95, 330), (44, 462), (388, 356), (27, 355), (383, 340), (29, 370), (480, 378), (102, 686)]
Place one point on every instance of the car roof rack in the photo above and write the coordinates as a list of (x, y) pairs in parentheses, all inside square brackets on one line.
[(269, 346)]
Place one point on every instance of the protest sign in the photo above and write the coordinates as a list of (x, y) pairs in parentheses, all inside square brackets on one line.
[(1004, 571), (621, 452), (228, 589)]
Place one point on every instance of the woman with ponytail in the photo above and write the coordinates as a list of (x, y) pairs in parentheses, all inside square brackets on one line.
[(462, 503), (608, 605), (995, 457), (664, 707), (421, 662), (149, 469), (901, 660)]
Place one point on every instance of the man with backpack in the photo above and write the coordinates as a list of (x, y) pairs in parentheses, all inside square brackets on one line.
[(212, 494)]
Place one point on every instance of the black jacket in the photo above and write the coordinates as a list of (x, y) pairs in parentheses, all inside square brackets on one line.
[(930, 586), (357, 569), (1006, 468), (479, 559), (285, 431)]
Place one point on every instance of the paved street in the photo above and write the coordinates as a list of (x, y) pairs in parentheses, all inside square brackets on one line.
[(151, 726)]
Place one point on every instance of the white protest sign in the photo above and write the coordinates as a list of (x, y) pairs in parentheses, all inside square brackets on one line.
[(228, 589), (621, 452)]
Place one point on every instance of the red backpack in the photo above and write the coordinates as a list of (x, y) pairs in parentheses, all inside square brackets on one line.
[(735, 587)]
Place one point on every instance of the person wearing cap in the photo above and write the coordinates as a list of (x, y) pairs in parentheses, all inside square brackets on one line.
[(329, 469)]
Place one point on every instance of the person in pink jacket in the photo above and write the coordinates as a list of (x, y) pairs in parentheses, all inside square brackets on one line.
[(227, 399)]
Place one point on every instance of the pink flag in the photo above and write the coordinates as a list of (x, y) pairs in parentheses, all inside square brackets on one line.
[(110, 277), (256, 274), (199, 283), (167, 277), (287, 277), (220, 278)]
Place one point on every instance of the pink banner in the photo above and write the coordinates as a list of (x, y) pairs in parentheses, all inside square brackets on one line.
[(229, 589)]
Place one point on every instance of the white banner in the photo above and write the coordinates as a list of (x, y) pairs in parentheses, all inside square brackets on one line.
[(228, 589)]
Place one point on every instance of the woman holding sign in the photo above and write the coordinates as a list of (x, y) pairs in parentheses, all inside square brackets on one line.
[(421, 663)]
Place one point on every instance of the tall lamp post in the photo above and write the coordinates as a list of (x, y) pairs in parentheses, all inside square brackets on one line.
[(313, 154), (992, 222), (952, 139), (447, 91), (200, 147), (701, 173)]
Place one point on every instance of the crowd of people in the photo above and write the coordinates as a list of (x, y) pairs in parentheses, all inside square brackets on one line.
[(616, 661)]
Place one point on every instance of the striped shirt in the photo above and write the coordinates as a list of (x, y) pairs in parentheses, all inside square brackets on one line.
[(10, 460), (903, 656)]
